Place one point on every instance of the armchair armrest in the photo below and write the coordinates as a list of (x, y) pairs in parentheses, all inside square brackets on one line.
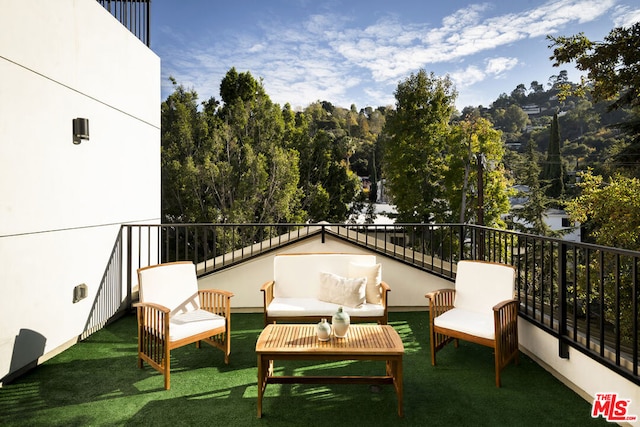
[(151, 306), (505, 318), (440, 301), (506, 305), (216, 301), (505, 315), (153, 318)]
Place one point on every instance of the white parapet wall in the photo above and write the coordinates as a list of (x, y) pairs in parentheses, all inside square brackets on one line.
[(584, 375), (61, 204), (408, 284)]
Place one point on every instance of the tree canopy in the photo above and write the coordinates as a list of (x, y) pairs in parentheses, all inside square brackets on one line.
[(245, 159), (415, 155), (227, 164), (428, 159), (613, 75), (609, 209)]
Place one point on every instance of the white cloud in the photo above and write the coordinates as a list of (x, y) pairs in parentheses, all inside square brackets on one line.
[(473, 74), (327, 58), (497, 66), (467, 77), (624, 16)]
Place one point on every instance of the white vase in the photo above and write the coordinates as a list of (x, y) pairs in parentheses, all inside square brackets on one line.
[(340, 322), (323, 330)]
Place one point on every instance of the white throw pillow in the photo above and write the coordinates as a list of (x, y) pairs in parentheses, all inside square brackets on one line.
[(373, 273), (341, 290)]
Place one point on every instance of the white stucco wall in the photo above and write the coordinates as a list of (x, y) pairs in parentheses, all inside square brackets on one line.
[(584, 375), (61, 205)]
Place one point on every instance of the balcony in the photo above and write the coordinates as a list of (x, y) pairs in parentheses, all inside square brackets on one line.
[(133, 14), (578, 314), (97, 383)]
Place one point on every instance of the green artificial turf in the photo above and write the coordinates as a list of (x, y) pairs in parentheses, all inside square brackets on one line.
[(97, 383)]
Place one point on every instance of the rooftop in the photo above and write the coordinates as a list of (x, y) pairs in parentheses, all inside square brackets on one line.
[(97, 383)]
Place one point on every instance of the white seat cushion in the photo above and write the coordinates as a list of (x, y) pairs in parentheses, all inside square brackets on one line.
[(286, 307), (468, 322), (183, 325)]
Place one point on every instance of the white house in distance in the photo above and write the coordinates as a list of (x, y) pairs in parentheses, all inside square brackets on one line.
[(64, 193), (556, 219)]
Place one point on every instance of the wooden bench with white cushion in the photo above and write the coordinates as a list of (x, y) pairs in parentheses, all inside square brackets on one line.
[(311, 286)]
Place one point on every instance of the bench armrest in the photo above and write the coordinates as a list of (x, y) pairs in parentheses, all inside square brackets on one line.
[(385, 293), (267, 290), (267, 293)]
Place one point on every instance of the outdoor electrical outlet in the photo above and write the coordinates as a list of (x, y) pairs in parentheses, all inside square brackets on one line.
[(79, 292)]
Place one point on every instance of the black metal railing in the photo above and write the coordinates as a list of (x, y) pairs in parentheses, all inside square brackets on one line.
[(584, 295), (111, 298), (133, 14)]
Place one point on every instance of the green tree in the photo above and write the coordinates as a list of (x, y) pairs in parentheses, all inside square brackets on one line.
[(415, 154), (610, 209), (552, 172), (326, 180), (254, 173), (511, 120), (227, 164), (184, 133), (468, 139), (613, 74), (532, 211)]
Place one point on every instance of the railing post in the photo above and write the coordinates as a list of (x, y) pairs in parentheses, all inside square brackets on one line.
[(563, 346), (479, 236), (461, 245), (129, 265), (322, 232)]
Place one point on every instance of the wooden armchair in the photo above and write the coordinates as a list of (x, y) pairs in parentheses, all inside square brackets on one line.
[(480, 309), (172, 312)]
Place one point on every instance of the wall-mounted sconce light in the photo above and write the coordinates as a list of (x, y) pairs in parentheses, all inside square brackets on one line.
[(80, 130)]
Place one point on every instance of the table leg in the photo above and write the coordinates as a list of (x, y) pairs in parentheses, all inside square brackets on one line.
[(261, 383), (397, 381)]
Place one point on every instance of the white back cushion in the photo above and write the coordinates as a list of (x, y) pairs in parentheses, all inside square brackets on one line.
[(173, 285), (373, 273), (481, 285), (342, 290), (298, 275)]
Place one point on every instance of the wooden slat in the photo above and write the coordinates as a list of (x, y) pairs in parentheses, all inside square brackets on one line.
[(286, 338)]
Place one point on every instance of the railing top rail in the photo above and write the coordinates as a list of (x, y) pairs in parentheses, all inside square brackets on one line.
[(558, 240)]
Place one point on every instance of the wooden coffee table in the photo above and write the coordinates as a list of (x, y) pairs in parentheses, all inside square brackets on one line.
[(299, 342)]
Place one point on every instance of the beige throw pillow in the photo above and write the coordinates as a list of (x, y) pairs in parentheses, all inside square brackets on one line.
[(373, 273), (341, 290)]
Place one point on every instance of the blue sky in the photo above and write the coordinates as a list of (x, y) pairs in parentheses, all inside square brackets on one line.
[(356, 52)]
